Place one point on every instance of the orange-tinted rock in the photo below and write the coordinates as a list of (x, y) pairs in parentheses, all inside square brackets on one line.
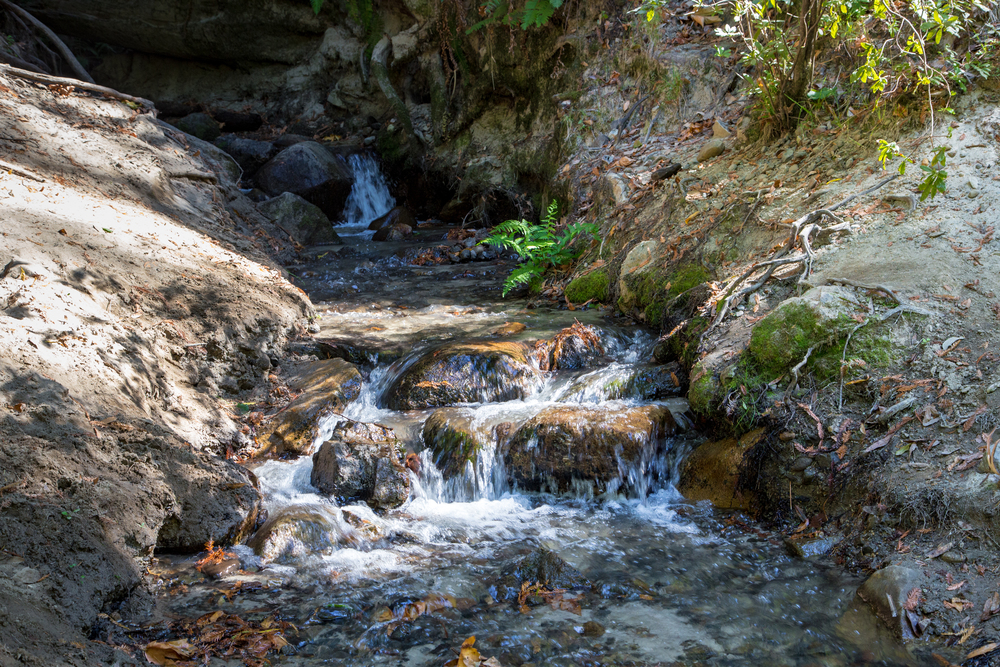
[(712, 471)]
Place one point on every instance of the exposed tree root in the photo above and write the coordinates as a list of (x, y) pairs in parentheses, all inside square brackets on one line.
[(75, 83), (61, 47), (14, 169), (805, 231)]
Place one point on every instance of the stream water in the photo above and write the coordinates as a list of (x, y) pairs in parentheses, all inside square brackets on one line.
[(649, 578)]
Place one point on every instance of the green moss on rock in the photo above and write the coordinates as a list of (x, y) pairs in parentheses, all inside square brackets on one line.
[(782, 339), (704, 390), (593, 285)]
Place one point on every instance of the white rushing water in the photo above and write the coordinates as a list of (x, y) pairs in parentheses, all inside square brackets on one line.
[(370, 197)]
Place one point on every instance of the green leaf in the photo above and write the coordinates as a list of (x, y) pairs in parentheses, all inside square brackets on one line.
[(317, 5)]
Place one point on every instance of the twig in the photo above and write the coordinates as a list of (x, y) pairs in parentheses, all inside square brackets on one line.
[(14, 169), (79, 85), (795, 379), (59, 44), (873, 188)]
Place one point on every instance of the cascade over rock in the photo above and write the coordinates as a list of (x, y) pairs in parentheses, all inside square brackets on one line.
[(597, 444)]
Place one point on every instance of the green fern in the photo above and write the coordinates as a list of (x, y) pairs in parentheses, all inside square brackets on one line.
[(317, 5), (538, 246)]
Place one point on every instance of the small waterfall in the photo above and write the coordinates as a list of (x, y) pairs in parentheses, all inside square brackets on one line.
[(369, 198)]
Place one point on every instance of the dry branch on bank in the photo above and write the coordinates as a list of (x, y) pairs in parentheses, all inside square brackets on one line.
[(804, 232)]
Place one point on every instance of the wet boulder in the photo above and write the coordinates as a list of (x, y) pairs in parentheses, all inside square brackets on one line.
[(250, 154), (326, 387), (469, 372), (712, 472), (296, 531), (399, 215), (312, 172), (562, 444), (542, 567), (576, 346), (362, 462), (394, 232), (199, 125), (886, 591), (304, 222), (650, 383)]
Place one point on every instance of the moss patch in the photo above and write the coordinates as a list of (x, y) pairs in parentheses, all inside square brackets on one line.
[(704, 390), (593, 285), (782, 339), (686, 277)]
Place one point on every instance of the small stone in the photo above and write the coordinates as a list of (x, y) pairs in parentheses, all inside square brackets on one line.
[(953, 557), (592, 629), (800, 464), (720, 131), (221, 569), (713, 148), (785, 436), (263, 362)]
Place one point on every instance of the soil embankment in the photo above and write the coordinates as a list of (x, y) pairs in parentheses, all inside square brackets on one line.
[(136, 298)]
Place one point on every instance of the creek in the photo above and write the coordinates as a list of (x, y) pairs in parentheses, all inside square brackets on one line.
[(640, 575)]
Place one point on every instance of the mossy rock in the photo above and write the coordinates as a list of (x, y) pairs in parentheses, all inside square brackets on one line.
[(590, 286), (681, 344), (450, 440), (815, 320), (703, 394)]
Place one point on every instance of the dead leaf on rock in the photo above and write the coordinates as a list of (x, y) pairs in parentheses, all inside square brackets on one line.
[(166, 653), (991, 607)]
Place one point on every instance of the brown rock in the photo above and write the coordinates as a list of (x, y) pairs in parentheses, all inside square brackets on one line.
[(564, 443), (400, 215), (221, 569), (465, 373), (576, 346), (712, 471), (327, 386), (395, 232)]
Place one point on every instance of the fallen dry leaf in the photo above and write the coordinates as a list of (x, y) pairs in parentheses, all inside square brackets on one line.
[(162, 653), (940, 550), (982, 650), (955, 587)]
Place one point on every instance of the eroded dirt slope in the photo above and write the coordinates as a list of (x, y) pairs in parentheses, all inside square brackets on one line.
[(135, 299)]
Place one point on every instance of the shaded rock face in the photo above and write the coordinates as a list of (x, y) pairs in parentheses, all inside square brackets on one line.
[(540, 566), (304, 222), (712, 472), (576, 346), (399, 215), (312, 172), (200, 125), (297, 530), (886, 592), (362, 462), (566, 443), (250, 154), (465, 373), (327, 386)]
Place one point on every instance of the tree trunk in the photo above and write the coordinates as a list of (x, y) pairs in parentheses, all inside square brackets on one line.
[(795, 87)]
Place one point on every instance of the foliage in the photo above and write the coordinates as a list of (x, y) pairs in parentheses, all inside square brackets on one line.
[(539, 246), (590, 286), (534, 13), (898, 50)]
